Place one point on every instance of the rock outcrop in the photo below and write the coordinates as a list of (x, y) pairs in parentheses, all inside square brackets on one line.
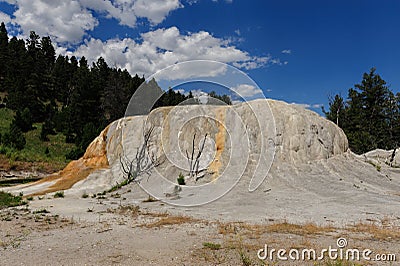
[(250, 135)]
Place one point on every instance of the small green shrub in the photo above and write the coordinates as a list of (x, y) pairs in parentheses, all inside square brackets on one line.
[(181, 179), (59, 194), (85, 195)]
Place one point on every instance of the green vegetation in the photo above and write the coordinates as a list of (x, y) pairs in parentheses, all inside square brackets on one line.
[(117, 186), (212, 246), (9, 200), (59, 194), (370, 116), (34, 149), (181, 179), (246, 260)]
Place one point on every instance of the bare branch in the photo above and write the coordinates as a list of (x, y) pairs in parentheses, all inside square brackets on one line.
[(195, 162), (143, 162)]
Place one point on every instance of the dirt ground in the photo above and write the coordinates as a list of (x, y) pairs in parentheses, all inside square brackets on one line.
[(111, 230)]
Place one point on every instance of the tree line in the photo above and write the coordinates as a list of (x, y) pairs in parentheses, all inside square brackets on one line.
[(63, 93), (369, 116)]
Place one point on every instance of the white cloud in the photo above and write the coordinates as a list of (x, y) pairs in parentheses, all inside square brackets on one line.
[(287, 51), (121, 11), (256, 62), (164, 47), (70, 21), (317, 105), (4, 18), (67, 21), (156, 10), (309, 106), (303, 105), (246, 90), (181, 91), (237, 32)]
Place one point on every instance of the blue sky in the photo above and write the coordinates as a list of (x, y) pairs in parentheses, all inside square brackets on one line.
[(297, 51)]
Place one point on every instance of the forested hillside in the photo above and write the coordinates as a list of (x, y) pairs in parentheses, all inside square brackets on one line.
[(63, 94)]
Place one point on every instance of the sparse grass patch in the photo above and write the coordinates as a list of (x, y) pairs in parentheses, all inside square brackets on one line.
[(126, 209), (377, 166), (305, 229), (171, 220), (376, 231), (338, 263), (245, 259), (9, 200), (212, 246)]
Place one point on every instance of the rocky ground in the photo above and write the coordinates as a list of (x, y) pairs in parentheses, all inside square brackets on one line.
[(112, 229)]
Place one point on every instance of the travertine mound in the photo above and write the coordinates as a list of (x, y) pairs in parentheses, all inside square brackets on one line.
[(248, 136)]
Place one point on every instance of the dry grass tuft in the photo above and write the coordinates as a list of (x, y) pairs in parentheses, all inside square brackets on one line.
[(155, 214), (302, 229), (255, 231), (171, 220), (388, 232), (131, 210)]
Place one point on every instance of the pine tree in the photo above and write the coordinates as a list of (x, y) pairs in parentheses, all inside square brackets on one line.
[(370, 116), (4, 57), (336, 111)]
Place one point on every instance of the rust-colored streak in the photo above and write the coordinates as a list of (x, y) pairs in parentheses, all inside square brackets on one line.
[(94, 158), (216, 164)]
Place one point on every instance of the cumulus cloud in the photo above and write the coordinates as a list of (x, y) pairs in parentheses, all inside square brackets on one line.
[(246, 90), (70, 21), (164, 47), (287, 51), (156, 10)]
